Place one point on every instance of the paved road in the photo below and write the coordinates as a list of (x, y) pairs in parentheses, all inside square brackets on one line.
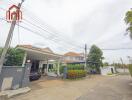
[(93, 88), (114, 88)]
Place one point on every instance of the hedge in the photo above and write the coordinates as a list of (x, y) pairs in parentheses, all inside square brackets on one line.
[(74, 74), (75, 67), (72, 67)]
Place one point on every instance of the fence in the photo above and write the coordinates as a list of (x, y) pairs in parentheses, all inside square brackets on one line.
[(13, 77)]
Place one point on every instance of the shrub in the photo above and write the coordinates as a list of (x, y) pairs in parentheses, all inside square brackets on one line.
[(73, 74), (109, 73)]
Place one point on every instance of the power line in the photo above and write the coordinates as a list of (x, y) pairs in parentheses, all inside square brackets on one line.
[(55, 35), (68, 42), (107, 49), (43, 25), (118, 49), (37, 33), (43, 29)]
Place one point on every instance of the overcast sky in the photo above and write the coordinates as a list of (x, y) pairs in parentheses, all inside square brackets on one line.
[(99, 22)]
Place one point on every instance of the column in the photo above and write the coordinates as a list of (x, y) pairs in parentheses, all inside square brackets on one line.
[(58, 67), (24, 59), (47, 66)]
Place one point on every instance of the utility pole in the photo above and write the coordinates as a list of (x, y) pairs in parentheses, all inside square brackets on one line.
[(85, 55), (122, 64), (130, 59), (9, 38)]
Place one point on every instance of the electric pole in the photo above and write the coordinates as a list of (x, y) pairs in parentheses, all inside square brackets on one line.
[(130, 59), (85, 55), (122, 64), (9, 38)]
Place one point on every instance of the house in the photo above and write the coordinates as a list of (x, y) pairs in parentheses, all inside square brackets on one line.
[(107, 70), (42, 60), (73, 57)]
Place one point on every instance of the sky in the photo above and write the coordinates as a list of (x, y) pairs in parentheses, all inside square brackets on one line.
[(71, 24)]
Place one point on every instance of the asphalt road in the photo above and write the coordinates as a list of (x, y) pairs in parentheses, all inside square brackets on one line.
[(113, 88)]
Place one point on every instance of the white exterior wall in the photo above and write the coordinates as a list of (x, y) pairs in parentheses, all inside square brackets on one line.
[(106, 70), (46, 70), (73, 58)]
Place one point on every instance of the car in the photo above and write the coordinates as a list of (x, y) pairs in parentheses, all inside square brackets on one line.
[(34, 76)]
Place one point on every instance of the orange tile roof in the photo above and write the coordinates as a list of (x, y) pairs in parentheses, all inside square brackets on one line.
[(72, 54)]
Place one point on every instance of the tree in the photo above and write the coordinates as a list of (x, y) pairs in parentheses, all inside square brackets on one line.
[(95, 56), (105, 64), (14, 57), (128, 20)]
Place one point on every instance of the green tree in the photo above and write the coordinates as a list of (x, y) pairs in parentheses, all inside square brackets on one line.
[(95, 56), (128, 20), (105, 64), (14, 57)]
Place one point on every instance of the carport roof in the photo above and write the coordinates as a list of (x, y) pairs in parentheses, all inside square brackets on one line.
[(38, 53)]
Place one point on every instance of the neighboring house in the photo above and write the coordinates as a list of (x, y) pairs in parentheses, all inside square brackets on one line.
[(107, 70), (73, 57)]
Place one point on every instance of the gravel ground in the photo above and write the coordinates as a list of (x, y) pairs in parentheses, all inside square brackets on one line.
[(91, 88)]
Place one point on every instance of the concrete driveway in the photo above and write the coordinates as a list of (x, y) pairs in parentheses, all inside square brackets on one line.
[(93, 88), (113, 88)]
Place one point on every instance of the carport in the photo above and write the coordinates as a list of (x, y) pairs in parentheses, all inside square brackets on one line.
[(42, 59)]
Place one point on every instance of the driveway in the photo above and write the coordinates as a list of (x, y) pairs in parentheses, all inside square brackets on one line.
[(113, 88), (91, 88)]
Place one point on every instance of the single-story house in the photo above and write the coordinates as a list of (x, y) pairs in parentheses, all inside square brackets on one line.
[(42, 60)]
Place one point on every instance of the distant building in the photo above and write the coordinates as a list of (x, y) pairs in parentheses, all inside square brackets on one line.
[(73, 57)]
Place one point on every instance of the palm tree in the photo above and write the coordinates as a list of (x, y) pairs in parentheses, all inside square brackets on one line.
[(128, 20)]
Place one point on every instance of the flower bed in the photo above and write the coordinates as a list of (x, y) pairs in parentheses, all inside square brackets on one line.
[(74, 74)]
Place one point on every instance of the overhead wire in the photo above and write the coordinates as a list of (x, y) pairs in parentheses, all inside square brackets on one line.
[(41, 28), (40, 24), (45, 37), (37, 33)]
